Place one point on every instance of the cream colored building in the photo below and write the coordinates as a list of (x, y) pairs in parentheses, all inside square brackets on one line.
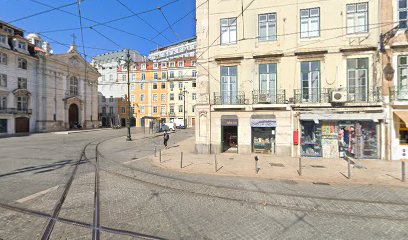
[(293, 78)]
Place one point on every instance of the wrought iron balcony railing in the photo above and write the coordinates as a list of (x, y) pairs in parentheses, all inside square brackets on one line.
[(363, 94), (324, 95), (312, 95), (16, 110), (229, 98), (268, 97)]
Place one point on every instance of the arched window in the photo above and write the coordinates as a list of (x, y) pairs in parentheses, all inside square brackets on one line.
[(73, 86)]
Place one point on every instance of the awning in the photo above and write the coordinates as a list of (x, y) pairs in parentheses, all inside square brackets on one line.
[(403, 115), (341, 116)]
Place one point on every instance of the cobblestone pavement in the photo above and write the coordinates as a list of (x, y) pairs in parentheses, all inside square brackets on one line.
[(139, 200)]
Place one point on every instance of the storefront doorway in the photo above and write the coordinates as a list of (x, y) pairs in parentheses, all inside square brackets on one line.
[(22, 125), (263, 131), (229, 133)]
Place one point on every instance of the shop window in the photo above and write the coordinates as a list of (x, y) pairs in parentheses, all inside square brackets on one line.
[(311, 139), (403, 133), (3, 125), (263, 140)]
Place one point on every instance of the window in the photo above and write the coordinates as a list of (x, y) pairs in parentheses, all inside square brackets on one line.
[(133, 77), (310, 74), (164, 75), (103, 78), (310, 23), (194, 96), (3, 58), (142, 86), (403, 13), (155, 109), (163, 97), (123, 109), (134, 67), (193, 63), (143, 66), (3, 125), (172, 64), (155, 65), (132, 87), (181, 63), (180, 108), (194, 84), (267, 27), (164, 65), (156, 75), (110, 110), (132, 97), (124, 78), (142, 97), (73, 86), (163, 85), (143, 76), (192, 109), (142, 109), (111, 99), (3, 102), (357, 75), (180, 85), (3, 39), (228, 31), (194, 73), (22, 103), (180, 96), (3, 80), (22, 45), (229, 84), (403, 77), (163, 110), (171, 109), (104, 110), (171, 74), (154, 85), (357, 18), (171, 85), (267, 82), (111, 77), (103, 99), (22, 63), (9, 30), (155, 97), (171, 96), (133, 109)]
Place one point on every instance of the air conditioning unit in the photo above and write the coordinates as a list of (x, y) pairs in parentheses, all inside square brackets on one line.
[(338, 96)]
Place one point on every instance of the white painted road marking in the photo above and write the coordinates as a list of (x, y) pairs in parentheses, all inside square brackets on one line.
[(35, 195)]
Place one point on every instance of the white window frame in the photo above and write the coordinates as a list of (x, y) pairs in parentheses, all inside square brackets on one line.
[(142, 98), (21, 83), (358, 90), (74, 86), (267, 21), (142, 109), (163, 97), (171, 96), (22, 45), (155, 109), (155, 65), (3, 39), (228, 31), (3, 80), (308, 20), (3, 58), (357, 12), (402, 15), (22, 63), (155, 97), (181, 63)]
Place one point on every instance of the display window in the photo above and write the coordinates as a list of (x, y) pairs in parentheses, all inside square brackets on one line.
[(403, 133), (311, 139), (263, 140)]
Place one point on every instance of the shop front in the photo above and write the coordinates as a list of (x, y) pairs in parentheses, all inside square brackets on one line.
[(263, 131), (400, 141), (229, 133), (339, 135)]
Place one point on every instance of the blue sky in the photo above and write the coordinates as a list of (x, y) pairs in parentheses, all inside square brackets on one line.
[(139, 34)]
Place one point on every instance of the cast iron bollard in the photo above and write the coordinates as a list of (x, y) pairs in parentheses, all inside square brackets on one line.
[(300, 166), (403, 171), (256, 165), (160, 155), (155, 151), (181, 160), (349, 167), (215, 162)]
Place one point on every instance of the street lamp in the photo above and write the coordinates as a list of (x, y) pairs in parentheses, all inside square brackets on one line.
[(127, 63), (184, 105)]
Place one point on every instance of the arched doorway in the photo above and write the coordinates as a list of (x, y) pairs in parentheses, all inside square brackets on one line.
[(22, 125), (73, 114)]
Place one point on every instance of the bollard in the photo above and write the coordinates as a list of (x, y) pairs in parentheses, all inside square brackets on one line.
[(256, 165), (403, 171), (215, 162), (349, 168), (155, 155), (160, 155), (300, 166), (181, 160)]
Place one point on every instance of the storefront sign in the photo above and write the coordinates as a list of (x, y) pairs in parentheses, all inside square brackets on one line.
[(263, 122), (229, 122)]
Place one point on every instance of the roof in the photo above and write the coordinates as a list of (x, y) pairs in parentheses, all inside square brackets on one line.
[(11, 26), (174, 44)]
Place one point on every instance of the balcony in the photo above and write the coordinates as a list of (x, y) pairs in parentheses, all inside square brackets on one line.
[(324, 95), (69, 94), (172, 114), (229, 98), (16, 111), (398, 94), (269, 97)]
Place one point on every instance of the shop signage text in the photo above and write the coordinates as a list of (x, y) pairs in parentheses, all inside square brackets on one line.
[(263, 122), (229, 122)]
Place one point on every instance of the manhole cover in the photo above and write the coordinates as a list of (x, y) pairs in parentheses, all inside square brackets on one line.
[(317, 166), (321, 183), (277, 165)]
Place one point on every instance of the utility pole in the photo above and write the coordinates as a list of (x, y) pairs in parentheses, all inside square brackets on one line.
[(127, 62)]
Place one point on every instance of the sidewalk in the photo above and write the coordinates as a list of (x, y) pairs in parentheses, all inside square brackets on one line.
[(315, 170)]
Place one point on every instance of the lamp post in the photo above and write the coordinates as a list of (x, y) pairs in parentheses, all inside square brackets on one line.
[(127, 63), (184, 106)]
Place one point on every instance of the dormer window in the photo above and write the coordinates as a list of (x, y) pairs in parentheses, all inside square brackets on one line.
[(193, 63), (181, 64), (143, 66), (38, 43), (155, 65), (3, 39), (22, 45), (164, 65), (172, 64), (9, 30), (22, 63)]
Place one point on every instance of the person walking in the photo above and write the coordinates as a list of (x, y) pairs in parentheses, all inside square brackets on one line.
[(166, 139)]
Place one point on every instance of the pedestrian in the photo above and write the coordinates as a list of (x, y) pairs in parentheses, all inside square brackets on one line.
[(165, 139)]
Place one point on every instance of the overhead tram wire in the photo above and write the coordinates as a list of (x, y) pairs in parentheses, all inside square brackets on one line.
[(43, 12), (106, 37), (143, 20)]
